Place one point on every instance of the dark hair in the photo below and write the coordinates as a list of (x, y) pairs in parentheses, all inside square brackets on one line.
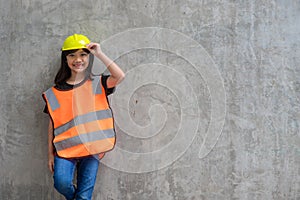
[(64, 72)]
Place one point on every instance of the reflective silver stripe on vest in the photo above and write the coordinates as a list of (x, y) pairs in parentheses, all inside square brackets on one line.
[(97, 89), (84, 138), (52, 100), (82, 119)]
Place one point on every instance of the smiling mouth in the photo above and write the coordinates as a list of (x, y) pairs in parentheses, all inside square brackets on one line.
[(79, 65)]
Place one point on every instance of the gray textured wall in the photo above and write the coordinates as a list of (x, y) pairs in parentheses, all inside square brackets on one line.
[(209, 108)]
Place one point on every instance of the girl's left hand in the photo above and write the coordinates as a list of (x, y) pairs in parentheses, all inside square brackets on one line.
[(94, 48)]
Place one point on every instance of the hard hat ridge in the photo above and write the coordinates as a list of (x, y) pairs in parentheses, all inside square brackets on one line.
[(75, 41)]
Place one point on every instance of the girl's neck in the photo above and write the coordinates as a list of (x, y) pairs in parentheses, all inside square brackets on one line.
[(76, 78)]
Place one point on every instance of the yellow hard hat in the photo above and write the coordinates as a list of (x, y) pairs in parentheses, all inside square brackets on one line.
[(76, 41)]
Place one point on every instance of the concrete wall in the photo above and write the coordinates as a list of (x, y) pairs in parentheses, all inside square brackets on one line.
[(209, 109)]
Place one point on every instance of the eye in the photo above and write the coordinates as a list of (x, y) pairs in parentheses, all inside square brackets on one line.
[(84, 54), (71, 55)]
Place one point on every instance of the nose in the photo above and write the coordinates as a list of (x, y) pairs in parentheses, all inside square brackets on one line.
[(78, 59)]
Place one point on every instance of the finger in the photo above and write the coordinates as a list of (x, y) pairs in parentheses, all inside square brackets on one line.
[(91, 45), (51, 167)]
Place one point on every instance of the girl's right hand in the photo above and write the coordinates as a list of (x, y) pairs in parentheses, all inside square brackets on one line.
[(50, 147), (51, 162)]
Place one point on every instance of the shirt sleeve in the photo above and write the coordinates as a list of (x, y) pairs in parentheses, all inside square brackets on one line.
[(108, 91), (46, 109)]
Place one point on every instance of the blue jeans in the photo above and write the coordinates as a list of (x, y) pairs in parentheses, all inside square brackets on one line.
[(64, 169)]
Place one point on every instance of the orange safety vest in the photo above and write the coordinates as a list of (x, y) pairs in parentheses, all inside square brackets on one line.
[(82, 119)]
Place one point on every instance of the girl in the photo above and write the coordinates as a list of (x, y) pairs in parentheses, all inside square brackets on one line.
[(81, 123)]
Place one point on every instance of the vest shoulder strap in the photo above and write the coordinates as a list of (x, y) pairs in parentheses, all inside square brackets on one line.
[(52, 100), (97, 86)]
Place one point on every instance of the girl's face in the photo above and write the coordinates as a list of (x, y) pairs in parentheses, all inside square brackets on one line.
[(78, 61)]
